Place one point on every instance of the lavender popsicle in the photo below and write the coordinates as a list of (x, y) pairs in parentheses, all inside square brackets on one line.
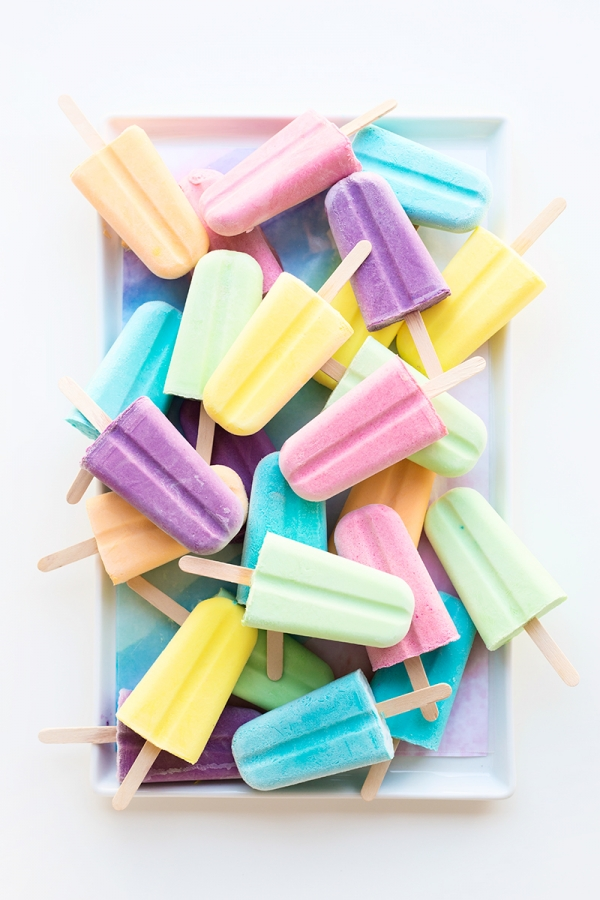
[(399, 277), (142, 457), (215, 764)]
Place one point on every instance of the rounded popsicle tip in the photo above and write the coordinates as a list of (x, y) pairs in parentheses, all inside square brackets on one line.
[(45, 735)]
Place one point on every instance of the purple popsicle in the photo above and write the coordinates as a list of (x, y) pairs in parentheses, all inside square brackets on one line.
[(215, 764), (254, 242), (142, 457), (399, 276)]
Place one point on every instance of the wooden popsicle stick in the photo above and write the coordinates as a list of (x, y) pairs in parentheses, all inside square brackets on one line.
[(92, 734), (212, 568), (371, 116), (552, 652), (454, 376), (419, 680), (533, 231), (206, 435), (274, 655), (374, 779), (68, 555), (83, 479), (79, 122), (135, 776), (334, 369), (424, 345), (84, 403), (414, 700), (158, 599), (345, 271)]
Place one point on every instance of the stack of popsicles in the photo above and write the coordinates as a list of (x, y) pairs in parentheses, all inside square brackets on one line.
[(183, 415)]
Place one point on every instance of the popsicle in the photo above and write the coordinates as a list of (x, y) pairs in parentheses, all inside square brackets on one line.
[(142, 457), (490, 284), (253, 243), (376, 536), (130, 186), (177, 704), (306, 157), (216, 762), (301, 590), (503, 586), (225, 292), (381, 421), (451, 456), (433, 188), (334, 729), (400, 277), (289, 338)]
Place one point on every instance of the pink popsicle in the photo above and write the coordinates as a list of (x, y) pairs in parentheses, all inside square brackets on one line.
[(304, 158), (376, 536), (254, 243), (384, 419)]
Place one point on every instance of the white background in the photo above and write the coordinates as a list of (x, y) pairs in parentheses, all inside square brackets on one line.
[(535, 62)]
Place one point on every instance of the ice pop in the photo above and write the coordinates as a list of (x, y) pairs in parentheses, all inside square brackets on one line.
[(289, 338), (400, 277), (177, 704), (253, 243), (136, 365), (451, 456), (501, 583), (301, 590), (381, 421), (306, 157), (334, 729), (132, 189), (433, 188), (490, 284)]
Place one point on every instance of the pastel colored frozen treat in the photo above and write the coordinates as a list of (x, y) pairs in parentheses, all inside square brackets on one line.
[(142, 457), (216, 762), (346, 305), (381, 421), (451, 456), (307, 156), (178, 702), (301, 590), (226, 290), (276, 508), (446, 664), (135, 366), (242, 454), (433, 188), (501, 583), (405, 487), (131, 187), (290, 336), (303, 672), (253, 242), (376, 536), (399, 277), (129, 544), (331, 730), (490, 283)]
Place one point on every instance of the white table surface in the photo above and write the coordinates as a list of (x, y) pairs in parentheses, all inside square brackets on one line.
[(534, 62)]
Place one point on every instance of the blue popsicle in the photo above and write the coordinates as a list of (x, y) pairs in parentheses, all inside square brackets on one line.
[(446, 664), (275, 507), (135, 366), (433, 188)]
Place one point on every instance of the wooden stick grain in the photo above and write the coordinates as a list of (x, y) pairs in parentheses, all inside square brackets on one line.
[(212, 568), (345, 271), (158, 599), (84, 403), (374, 779), (334, 369), (454, 376), (206, 435), (135, 776), (539, 225), (424, 345), (274, 655), (416, 699), (419, 680), (68, 555), (550, 649), (79, 122), (82, 481), (85, 734), (367, 118)]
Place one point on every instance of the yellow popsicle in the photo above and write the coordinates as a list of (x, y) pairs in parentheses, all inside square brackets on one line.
[(177, 703), (290, 336), (490, 283), (133, 190), (128, 543), (346, 304)]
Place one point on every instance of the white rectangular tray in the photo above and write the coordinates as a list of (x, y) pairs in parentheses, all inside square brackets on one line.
[(193, 142)]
